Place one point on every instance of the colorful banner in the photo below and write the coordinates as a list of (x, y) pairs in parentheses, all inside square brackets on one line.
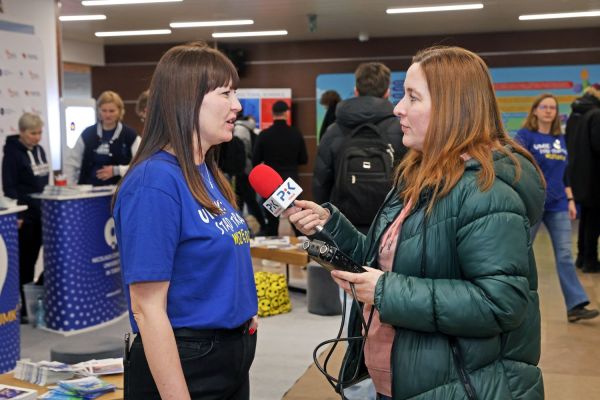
[(258, 103), (9, 293), (82, 270), (516, 88)]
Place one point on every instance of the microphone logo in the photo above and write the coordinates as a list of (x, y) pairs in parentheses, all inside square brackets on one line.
[(283, 197)]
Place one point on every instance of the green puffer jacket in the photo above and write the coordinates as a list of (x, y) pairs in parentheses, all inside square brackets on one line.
[(463, 292)]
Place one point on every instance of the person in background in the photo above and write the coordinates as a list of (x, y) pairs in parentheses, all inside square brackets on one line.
[(451, 281), (583, 143), (282, 148), (329, 99), (103, 151), (244, 130), (184, 248), (25, 171), (141, 105), (541, 135), (370, 105)]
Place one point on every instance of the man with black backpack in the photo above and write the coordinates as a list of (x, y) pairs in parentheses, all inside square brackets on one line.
[(356, 158), (583, 146)]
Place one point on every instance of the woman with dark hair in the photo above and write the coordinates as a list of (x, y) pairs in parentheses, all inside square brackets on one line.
[(542, 136), (451, 281), (184, 247), (330, 100)]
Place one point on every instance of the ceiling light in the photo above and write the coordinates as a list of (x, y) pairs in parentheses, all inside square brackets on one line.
[(449, 7), (200, 24), (119, 2), (134, 33), (82, 17), (248, 34), (595, 13)]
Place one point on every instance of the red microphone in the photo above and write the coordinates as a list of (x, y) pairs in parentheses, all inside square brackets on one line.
[(264, 180), (279, 194), (269, 185)]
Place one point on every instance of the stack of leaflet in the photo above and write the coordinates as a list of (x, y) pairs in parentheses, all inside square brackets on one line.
[(44, 372), (84, 388), (17, 393), (107, 366)]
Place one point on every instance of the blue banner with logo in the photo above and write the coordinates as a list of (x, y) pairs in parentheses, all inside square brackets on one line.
[(82, 270), (9, 293)]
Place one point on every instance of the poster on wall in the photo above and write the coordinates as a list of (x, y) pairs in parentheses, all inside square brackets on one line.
[(258, 103), (516, 89), (22, 85)]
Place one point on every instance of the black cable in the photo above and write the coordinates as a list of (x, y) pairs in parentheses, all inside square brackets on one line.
[(337, 383)]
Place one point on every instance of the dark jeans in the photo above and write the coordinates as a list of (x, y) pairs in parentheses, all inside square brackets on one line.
[(589, 230), (30, 241), (215, 365)]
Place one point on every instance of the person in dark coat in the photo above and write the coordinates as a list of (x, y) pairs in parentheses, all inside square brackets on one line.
[(371, 105), (25, 171), (583, 143), (282, 148), (330, 100)]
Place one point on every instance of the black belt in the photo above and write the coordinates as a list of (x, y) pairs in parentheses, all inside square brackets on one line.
[(203, 333)]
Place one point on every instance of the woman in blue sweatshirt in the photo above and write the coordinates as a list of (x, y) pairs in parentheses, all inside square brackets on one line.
[(541, 135), (25, 171)]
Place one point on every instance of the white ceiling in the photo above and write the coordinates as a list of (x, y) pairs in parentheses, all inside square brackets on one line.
[(336, 19)]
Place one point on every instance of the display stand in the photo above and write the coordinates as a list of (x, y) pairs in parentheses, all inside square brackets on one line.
[(82, 270), (9, 288)]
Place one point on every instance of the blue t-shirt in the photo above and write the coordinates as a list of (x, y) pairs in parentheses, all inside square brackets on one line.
[(550, 152), (164, 234)]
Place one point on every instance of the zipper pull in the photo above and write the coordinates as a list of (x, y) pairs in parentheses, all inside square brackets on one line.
[(390, 151)]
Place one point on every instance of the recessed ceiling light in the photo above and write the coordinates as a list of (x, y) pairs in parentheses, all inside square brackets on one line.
[(134, 33), (594, 13), (448, 7), (248, 34), (82, 17), (200, 24), (119, 2)]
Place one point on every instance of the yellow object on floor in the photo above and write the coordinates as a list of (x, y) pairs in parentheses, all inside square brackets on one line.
[(272, 292)]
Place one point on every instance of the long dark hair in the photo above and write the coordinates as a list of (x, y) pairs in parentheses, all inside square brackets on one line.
[(182, 77)]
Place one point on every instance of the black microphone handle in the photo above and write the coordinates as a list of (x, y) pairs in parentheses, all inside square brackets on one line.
[(324, 234)]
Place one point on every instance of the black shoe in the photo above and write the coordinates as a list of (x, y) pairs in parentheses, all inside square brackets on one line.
[(590, 268), (578, 313), (579, 262)]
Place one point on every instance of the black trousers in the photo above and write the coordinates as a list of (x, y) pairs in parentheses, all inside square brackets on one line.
[(30, 242), (215, 365), (589, 230)]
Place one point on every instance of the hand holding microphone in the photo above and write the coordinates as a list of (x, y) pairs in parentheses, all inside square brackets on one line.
[(307, 216)]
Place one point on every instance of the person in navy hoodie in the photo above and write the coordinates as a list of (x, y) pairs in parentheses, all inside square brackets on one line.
[(541, 135), (25, 171), (185, 249), (102, 153)]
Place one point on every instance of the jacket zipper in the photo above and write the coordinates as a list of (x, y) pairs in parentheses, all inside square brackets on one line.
[(464, 378)]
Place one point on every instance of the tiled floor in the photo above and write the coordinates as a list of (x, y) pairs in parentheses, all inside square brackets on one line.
[(570, 351)]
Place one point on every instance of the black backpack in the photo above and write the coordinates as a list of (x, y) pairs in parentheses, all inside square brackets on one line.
[(364, 169), (232, 156)]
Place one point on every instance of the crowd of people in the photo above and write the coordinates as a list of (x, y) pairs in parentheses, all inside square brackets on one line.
[(450, 288)]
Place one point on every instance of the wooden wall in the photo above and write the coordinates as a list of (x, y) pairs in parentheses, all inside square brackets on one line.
[(296, 65)]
